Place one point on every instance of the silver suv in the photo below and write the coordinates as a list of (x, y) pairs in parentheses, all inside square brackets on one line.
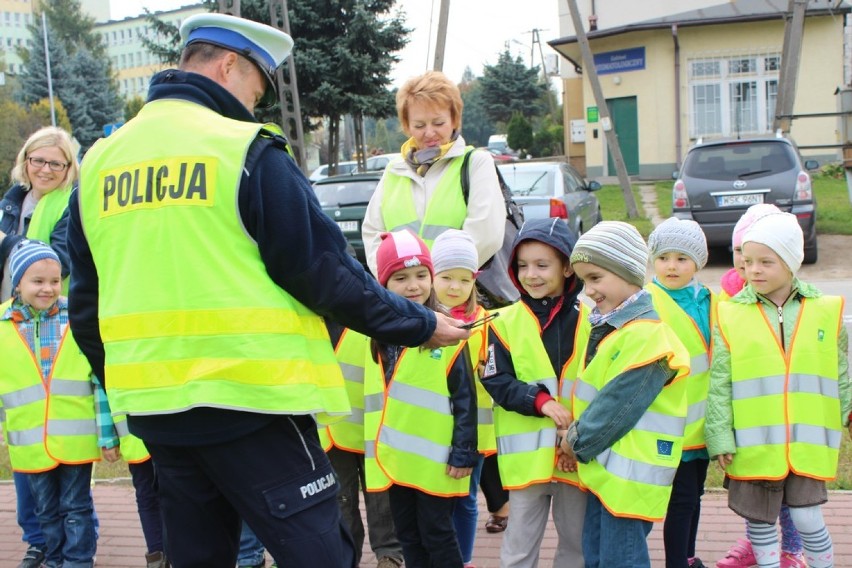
[(722, 178)]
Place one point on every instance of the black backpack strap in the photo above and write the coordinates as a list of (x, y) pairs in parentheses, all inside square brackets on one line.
[(465, 176), (264, 139)]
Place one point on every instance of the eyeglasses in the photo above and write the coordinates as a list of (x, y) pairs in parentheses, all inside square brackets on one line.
[(38, 163)]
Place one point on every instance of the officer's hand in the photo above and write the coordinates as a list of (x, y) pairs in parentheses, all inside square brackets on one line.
[(458, 472), (447, 332)]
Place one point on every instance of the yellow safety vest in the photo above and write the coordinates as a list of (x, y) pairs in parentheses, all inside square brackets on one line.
[(351, 350), (446, 208), (486, 441), (526, 445), (699, 350), (412, 438), (786, 405), (187, 322), (46, 215), (48, 420), (633, 477), (133, 449)]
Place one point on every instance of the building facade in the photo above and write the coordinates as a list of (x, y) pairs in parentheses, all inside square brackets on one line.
[(710, 72)]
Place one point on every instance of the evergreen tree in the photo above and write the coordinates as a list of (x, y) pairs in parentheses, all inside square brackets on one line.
[(476, 124), (519, 134), (72, 27), (510, 87)]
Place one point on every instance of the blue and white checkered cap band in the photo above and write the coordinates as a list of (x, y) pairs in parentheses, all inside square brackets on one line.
[(236, 42), (25, 255)]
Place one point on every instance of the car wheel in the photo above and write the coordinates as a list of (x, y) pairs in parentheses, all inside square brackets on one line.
[(811, 252), (599, 218)]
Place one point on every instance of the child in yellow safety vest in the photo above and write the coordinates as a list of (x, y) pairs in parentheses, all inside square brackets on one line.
[(629, 401), (420, 420), (532, 359), (780, 394), (678, 251), (456, 264), (46, 399)]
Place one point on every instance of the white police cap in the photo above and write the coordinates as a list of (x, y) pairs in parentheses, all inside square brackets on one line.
[(264, 45)]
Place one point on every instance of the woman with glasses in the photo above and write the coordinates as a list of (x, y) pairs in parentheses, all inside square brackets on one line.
[(36, 206)]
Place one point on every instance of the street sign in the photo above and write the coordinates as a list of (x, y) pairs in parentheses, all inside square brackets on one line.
[(110, 128)]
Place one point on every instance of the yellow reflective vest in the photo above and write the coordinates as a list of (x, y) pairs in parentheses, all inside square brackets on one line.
[(133, 449), (786, 404), (445, 209), (48, 420), (46, 215), (351, 351), (633, 477), (409, 440), (186, 321), (698, 382), (486, 442), (526, 445)]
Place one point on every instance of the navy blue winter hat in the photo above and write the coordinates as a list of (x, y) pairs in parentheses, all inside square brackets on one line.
[(25, 255), (551, 231)]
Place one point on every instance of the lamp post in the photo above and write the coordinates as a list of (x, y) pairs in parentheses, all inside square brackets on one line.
[(47, 66)]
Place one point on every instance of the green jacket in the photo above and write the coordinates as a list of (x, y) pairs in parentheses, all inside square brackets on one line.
[(718, 427)]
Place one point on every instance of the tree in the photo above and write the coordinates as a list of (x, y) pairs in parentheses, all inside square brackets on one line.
[(132, 107), (519, 134), (476, 124), (510, 87), (72, 27)]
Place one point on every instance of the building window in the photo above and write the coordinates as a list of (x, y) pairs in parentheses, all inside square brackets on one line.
[(732, 94)]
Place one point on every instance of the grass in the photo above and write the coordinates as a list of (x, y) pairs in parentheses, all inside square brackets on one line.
[(103, 470), (614, 208)]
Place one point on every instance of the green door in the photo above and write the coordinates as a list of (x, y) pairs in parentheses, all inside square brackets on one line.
[(624, 118)]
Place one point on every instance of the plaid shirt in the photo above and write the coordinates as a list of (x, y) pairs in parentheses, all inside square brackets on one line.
[(107, 436)]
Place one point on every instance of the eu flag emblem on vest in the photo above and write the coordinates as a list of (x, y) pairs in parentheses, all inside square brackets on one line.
[(436, 353), (820, 335), (664, 447)]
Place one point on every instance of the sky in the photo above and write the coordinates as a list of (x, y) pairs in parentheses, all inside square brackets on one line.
[(477, 33)]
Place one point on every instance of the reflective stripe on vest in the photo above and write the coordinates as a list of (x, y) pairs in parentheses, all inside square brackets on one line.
[(45, 428), (526, 445), (148, 203), (445, 209), (786, 404), (47, 213), (633, 477), (414, 432), (486, 440), (352, 348), (698, 382)]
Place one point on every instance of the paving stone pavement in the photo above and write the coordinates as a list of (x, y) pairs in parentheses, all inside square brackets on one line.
[(121, 544)]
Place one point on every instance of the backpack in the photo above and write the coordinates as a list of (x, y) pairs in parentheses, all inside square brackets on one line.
[(493, 284)]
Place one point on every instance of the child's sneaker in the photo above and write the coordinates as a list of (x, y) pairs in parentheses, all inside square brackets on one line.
[(740, 555), (33, 558), (790, 560)]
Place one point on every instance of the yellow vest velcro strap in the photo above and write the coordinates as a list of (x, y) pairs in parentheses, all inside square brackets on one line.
[(774, 385), (23, 396), (424, 448), (661, 424), (65, 387), (696, 411), (484, 416), (121, 428), (60, 427), (26, 437), (352, 372), (634, 470), (699, 364), (585, 392), (420, 398), (222, 321), (414, 227), (771, 435), (526, 442), (374, 402)]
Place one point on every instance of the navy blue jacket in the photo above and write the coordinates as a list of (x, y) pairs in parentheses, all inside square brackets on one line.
[(304, 253), (10, 206)]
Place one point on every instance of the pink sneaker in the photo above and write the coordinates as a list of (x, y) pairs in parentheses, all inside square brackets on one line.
[(740, 555), (790, 560)]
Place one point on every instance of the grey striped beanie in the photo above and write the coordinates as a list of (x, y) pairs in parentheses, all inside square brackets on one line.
[(615, 246)]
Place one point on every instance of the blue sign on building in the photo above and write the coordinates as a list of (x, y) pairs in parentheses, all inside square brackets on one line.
[(110, 128), (632, 59)]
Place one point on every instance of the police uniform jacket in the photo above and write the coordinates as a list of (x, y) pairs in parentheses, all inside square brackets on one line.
[(302, 249)]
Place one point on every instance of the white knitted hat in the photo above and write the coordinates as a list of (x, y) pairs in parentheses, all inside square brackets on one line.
[(780, 232), (615, 246), (454, 249), (679, 235)]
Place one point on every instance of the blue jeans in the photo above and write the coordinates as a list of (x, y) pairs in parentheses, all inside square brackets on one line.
[(64, 507), (251, 552), (614, 541), (25, 507), (466, 513)]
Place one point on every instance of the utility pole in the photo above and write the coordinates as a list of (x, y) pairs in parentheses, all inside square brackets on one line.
[(791, 53), (47, 68), (441, 40), (603, 111), (536, 39)]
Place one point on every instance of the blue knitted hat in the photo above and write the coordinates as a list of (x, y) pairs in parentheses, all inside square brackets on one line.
[(25, 254)]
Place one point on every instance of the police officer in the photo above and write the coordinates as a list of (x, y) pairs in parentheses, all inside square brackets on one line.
[(202, 263)]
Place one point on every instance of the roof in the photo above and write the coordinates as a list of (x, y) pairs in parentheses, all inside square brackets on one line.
[(735, 11)]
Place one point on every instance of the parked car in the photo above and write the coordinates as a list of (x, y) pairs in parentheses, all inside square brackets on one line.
[(344, 199), (722, 178), (342, 168), (380, 162), (499, 157), (553, 189)]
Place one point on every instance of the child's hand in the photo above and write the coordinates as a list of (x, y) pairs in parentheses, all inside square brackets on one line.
[(725, 460), (458, 472), (565, 462), (558, 413), (111, 455)]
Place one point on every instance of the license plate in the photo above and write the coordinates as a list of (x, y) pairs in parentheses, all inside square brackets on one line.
[(348, 226), (740, 199)]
